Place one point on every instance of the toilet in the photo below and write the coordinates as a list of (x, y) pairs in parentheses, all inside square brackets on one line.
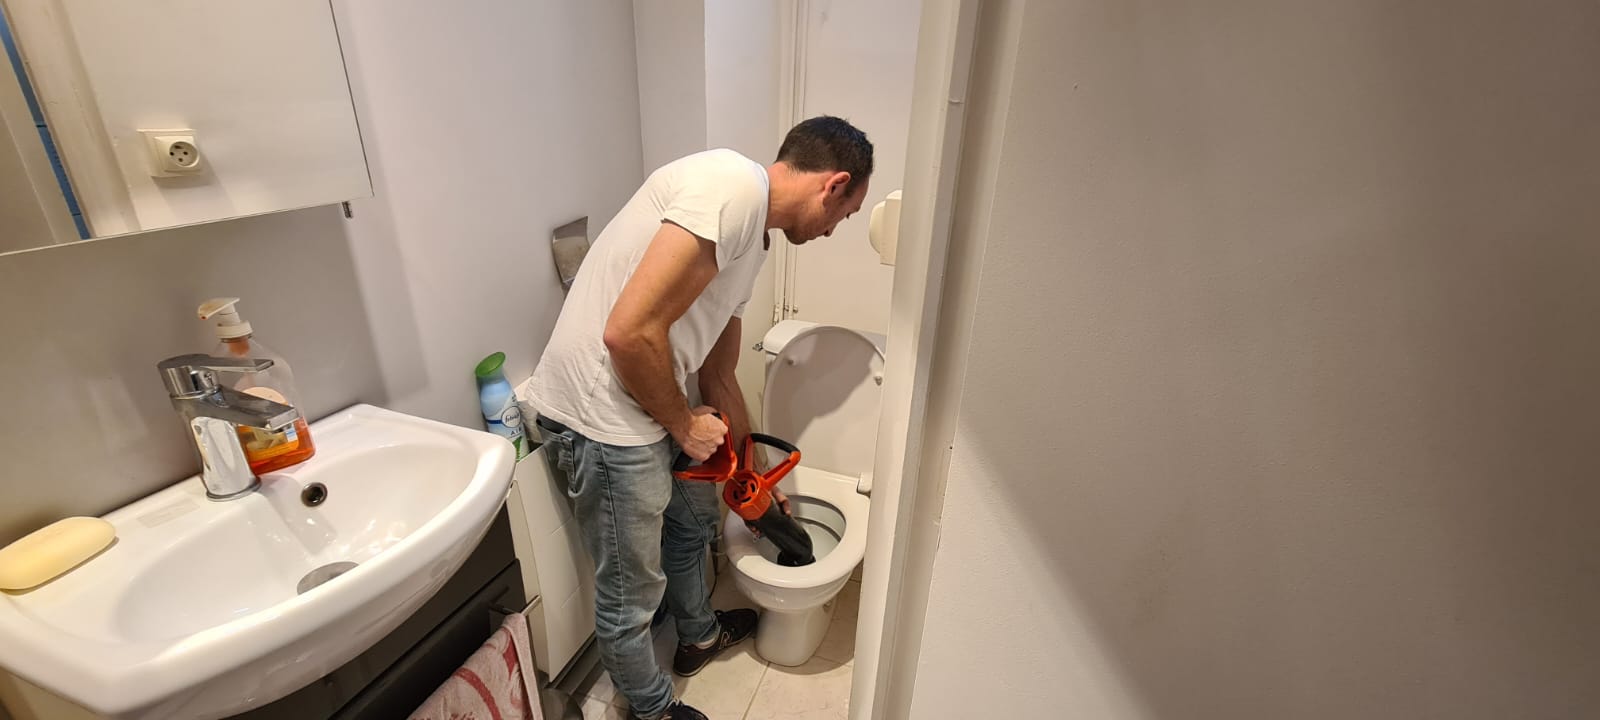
[(824, 387)]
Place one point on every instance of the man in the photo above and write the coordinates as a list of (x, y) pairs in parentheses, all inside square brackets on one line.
[(659, 296)]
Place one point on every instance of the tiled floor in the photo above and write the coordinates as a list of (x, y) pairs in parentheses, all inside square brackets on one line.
[(741, 685)]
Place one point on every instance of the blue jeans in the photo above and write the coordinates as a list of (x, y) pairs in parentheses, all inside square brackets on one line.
[(647, 533)]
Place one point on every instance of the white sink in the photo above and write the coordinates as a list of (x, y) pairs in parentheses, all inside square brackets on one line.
[(195, 611)]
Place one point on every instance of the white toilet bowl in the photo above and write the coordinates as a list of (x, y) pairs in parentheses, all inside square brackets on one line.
[(823, 392), (798, 601)]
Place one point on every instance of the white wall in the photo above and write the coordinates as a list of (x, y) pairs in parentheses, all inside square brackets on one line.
[(1278, 400), (259, 82), (449, 262), (741, 90), (859, 59), (741, 82), (671, 55), (708, 77), (454, 252)]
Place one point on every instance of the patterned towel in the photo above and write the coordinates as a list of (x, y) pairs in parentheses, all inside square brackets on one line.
[(495, 684)]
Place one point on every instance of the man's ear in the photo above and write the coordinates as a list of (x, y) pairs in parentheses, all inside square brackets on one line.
[(837, 184)]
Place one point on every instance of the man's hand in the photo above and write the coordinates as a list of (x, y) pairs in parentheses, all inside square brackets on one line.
[(759, 464), (783, 504), (703, 434)]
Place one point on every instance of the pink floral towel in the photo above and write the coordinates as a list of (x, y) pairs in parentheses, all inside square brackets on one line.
[(495, 684)]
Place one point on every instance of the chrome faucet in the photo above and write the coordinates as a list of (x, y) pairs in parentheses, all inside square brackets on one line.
[(214, 413)]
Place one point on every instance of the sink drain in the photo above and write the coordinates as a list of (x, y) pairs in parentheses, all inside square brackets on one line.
[(323, 574), (314, 494)]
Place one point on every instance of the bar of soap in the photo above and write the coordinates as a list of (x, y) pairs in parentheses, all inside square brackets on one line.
[(52, 550)]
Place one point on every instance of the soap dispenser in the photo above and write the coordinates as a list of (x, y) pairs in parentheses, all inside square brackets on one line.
[(265, 450)]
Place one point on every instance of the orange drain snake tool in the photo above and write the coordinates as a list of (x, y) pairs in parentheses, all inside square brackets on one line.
[(749, 493)]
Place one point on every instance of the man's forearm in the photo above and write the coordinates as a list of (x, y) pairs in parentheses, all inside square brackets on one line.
[(721, 391), (644, 364), (675, 269)]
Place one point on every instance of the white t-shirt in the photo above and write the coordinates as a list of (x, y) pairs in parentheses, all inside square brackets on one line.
[(718, 195)]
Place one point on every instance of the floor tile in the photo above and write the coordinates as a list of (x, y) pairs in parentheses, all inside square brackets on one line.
[(666, 643), (596, 710), (726, 595), (726, 686), (839, 645), (817, 690), (597, 686)]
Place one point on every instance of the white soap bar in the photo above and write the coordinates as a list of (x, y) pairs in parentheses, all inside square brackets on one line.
[(52, 550)]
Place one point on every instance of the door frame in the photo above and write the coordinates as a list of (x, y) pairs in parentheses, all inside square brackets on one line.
[(894, 588)]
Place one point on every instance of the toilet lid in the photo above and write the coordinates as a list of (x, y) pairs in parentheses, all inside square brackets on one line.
[(823, 393)]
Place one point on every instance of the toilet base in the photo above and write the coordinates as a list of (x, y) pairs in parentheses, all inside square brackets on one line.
[(791, 637)]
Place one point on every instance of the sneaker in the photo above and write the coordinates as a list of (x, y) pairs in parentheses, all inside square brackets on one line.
[(678, 711), (736, 625)]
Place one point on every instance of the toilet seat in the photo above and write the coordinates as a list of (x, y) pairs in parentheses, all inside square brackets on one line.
[(823, 393)]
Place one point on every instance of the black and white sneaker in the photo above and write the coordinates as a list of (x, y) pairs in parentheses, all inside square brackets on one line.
[(678, 711), (736, 625)]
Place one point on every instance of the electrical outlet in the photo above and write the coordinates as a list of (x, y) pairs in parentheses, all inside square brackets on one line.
[(173, 152)]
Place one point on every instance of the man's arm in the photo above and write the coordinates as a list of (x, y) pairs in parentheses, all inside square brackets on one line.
[(675, 269), (719, 385), (719, 388)]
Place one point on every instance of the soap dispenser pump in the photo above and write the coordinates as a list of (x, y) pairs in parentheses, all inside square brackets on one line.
[(265, 450)]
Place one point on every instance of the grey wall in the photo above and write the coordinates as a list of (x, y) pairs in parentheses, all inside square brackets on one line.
[(1280, 398), (87, 425)]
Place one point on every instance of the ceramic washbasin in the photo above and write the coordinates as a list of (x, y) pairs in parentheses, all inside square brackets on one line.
[(203, 609)]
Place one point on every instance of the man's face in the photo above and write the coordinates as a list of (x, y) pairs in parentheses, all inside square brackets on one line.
[(828, 207)]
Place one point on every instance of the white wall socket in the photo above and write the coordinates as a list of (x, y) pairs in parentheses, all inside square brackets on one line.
[(173, 152)]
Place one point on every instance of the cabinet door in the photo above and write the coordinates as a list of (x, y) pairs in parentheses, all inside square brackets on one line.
[(414, 677)]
